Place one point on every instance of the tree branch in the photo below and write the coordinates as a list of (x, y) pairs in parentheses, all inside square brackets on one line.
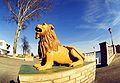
[(24, 18), (10, 8), (28, 7)]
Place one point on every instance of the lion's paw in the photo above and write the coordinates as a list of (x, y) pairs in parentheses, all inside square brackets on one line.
[(37, 66)]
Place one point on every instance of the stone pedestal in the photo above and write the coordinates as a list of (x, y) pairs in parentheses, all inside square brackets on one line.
[(60, 74)]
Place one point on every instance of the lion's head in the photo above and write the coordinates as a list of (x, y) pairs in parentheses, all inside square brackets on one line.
[(48, 40)]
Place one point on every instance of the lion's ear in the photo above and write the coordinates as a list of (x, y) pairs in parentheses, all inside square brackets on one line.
[(44, 24), (52, 27)]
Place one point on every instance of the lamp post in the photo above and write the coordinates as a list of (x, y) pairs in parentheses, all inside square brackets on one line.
[(94, 54), (110, 30)]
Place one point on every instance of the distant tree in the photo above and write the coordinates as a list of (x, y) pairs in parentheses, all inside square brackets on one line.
[(25, 45), (24, 11)]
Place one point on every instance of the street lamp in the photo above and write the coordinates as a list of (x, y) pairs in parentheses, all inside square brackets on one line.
[(110, 30)]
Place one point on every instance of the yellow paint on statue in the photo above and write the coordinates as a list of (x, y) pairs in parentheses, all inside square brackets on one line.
[(50, 49)]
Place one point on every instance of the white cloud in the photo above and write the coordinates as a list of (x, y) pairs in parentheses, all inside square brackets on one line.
[(94, 11), (103, 12), (85, 46), (101, 15), (116, 21), (96, 26)]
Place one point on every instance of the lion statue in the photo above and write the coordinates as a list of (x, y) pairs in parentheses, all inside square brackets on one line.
[(51, 51)]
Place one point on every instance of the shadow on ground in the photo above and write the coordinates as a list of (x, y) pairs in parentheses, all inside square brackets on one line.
[(6, 79)]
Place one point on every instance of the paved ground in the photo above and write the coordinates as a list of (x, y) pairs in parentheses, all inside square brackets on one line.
[(109, 74), (9, 69)]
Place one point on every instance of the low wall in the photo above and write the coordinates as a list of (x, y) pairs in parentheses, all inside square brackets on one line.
[(111, 54), (111, 59), (77, 74), (89, 57)]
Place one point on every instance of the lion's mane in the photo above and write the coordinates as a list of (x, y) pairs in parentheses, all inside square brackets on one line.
[(48, 42)]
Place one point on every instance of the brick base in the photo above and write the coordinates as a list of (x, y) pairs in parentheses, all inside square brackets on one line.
[(84, 74)]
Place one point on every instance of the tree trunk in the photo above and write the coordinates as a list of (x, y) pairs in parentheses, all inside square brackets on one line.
[(17, 34)]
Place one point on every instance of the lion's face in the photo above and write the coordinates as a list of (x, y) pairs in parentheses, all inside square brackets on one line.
[(42, 28)]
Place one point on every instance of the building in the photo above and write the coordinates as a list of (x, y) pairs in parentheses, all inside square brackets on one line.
[(5, 48)]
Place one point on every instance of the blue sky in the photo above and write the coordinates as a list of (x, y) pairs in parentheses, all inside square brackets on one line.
[(79, 23)]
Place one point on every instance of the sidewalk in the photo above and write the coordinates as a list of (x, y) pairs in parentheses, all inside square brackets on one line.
[(9, 68), (109, 74)]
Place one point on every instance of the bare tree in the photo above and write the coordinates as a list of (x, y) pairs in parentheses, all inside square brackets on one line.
[(25, 45), (24, 11)]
